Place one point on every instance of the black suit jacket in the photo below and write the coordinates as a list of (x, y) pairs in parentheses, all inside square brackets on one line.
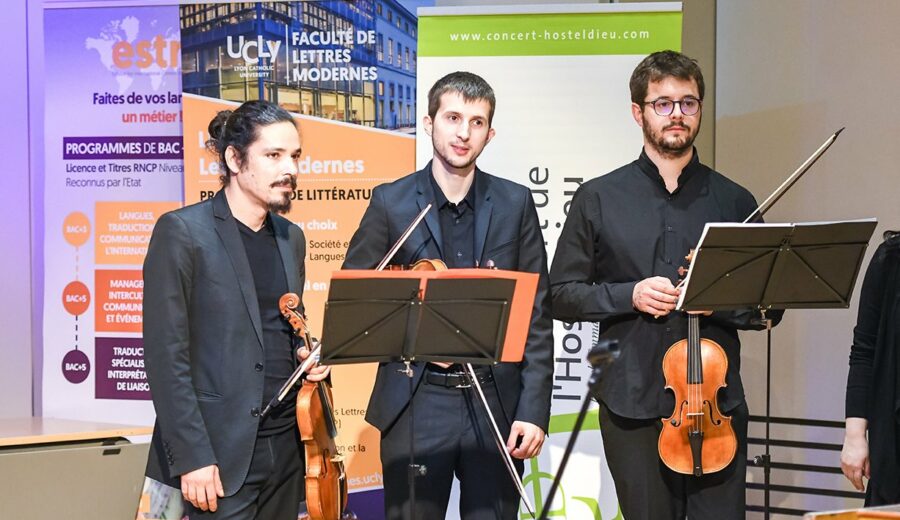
[(203, 346), (506, 231)]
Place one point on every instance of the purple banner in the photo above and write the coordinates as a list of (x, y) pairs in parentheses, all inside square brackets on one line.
[(92, 148), (120, 369)]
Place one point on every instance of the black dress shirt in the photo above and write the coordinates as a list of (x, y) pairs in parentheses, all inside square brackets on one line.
[(457, 227), (625, 227), (270, 282)]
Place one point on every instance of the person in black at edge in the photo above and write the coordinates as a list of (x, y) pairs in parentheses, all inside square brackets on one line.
[(873, 383), (215, 344), (616, 263), (476, 219)]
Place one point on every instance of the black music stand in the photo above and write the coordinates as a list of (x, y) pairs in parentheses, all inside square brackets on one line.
[(387, 319), (775, 266)]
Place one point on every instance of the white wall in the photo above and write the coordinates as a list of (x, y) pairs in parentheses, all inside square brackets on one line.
[(790, 74), (15, 262)]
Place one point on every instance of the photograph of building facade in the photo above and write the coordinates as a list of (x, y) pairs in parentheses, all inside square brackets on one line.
[(397, 31), (218, 40)]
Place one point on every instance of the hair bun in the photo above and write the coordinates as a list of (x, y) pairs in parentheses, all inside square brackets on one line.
[(218, 123)]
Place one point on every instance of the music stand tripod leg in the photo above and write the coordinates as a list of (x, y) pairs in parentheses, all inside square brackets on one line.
[(765, 460), (570, 446), (413, 470), (501, 446)]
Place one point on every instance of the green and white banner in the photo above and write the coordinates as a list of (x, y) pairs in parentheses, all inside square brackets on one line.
[(563, 116)]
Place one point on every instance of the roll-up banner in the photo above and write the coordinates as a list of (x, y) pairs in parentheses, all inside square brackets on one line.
[(347, 72), (113, 165), (563, 116), (112, 143)]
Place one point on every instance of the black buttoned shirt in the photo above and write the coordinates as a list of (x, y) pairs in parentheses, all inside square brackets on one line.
[(457, 227), (625, 227)]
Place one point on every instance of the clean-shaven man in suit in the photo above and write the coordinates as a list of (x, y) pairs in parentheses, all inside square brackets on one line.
[(215, 346), (476, 220)]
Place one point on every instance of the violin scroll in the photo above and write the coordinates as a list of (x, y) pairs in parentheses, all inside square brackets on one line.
[(288, 304)]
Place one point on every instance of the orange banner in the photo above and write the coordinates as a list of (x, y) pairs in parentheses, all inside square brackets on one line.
[(119, 296), (340, 165), (124, 228)]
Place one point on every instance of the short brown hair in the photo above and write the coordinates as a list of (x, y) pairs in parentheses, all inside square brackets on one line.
[(472, 87), (661, 65)]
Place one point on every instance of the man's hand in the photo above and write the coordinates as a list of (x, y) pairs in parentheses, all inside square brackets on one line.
[(855, 455), (202, 487), (531, 442), (317, 372), (655, 296)]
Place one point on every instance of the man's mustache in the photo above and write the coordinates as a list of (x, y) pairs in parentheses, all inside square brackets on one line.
[(287, 180)]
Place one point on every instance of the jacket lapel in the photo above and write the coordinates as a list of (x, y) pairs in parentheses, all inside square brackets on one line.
[(483, 210), (426, 196), (291, 269), (226, 227)]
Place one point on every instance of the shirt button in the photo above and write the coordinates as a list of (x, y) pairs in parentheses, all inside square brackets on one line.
[(459, 254), (457, 221), (254, 412), (669, 261), (259, 367), (669, 229), (668, 329)]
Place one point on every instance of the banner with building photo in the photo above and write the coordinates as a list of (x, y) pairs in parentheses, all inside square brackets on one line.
[(563, 116), (347, 70)]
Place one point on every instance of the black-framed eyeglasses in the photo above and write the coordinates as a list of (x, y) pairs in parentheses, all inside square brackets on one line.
[(689, 105)]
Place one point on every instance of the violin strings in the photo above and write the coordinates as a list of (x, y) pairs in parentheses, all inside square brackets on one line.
[(699, 355)]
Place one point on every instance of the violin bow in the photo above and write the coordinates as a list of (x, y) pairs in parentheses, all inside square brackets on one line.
[(291, 381), (786, 185), (400, 241), (507, 459), (792, 178)]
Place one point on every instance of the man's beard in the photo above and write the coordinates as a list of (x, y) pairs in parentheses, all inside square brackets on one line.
[(670, 149), (283, 205), (448, 159)]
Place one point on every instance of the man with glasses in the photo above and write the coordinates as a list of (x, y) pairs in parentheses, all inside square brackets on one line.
[(617, 263)]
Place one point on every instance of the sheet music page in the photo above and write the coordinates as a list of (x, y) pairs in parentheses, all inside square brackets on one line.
[(738, 225)]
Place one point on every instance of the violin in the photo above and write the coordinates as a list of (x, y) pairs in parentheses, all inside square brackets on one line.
[(425, 264), (697, 438), (326, 480)]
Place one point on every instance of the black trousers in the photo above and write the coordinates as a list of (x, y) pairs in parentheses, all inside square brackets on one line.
[(648, 490), (452, 437), (274, 486)]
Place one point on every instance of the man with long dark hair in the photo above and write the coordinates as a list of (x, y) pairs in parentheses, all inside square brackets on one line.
[(215, 345)]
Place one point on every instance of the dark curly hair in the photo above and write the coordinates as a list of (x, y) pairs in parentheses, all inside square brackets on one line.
[(661, 65), (239, 129)]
